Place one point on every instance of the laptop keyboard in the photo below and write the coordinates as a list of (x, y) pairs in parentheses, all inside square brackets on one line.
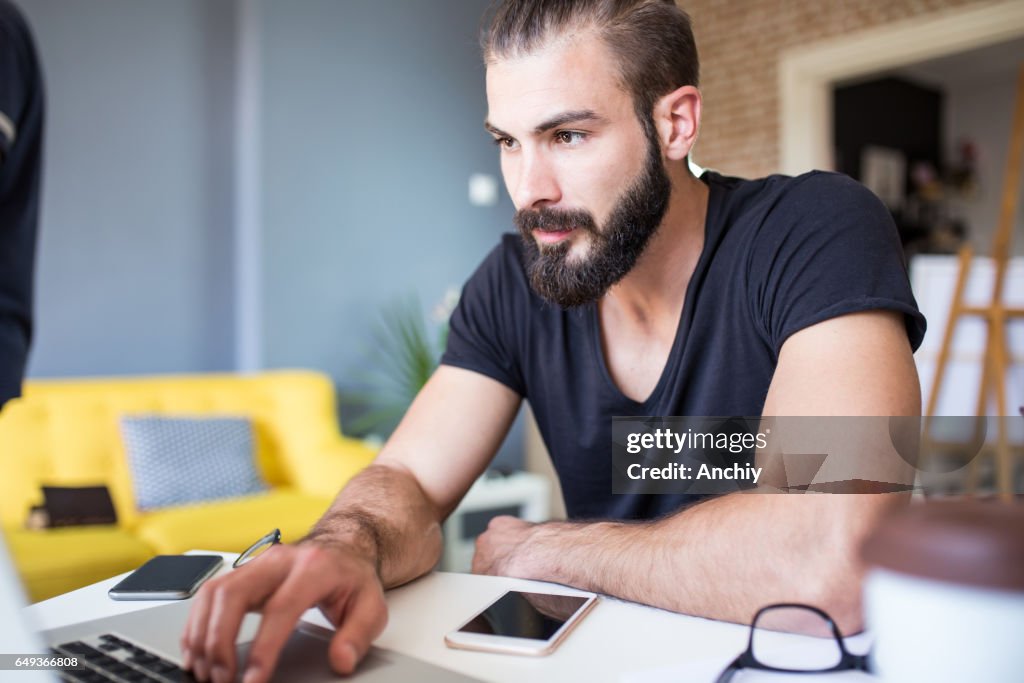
[(108, 657)]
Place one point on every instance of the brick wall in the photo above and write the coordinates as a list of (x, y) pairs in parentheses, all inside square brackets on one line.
[(740, 41)]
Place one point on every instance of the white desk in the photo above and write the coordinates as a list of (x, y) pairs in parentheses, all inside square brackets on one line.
[(619, 641)]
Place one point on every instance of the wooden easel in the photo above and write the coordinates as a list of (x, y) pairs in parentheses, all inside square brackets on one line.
[(996, 314)]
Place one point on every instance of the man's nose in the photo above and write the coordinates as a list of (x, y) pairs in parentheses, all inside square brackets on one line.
[(536, 184)]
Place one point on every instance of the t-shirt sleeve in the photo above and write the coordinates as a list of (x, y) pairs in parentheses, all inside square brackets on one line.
[(13, 73), (482, 334), (828, 247)]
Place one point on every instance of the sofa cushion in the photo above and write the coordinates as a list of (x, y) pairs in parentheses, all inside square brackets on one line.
[(78, 506), (54, 561), (231, 525), (176, 460)]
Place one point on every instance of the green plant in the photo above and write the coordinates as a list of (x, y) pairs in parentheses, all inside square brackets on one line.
[(402, 360)]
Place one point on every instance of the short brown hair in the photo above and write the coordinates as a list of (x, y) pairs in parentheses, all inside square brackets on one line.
[(651, 39)]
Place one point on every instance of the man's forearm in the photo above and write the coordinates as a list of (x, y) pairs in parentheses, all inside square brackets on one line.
[(722, 559), (384, 515)]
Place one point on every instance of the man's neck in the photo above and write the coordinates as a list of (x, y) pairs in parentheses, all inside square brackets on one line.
[(651, 295)]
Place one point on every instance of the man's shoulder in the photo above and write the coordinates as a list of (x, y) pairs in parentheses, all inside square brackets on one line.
[(827, 188), (810, 187), (778, 206)]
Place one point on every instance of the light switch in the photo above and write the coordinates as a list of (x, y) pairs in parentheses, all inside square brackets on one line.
[(483, 189)]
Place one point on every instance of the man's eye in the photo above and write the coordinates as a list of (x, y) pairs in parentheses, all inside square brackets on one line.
[(506, 143), (570, 137)]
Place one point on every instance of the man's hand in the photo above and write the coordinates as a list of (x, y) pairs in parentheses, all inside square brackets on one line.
[(282, 584), (384, 529), (499, 548)]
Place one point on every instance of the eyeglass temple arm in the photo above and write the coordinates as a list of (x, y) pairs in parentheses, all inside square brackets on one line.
[(860, 662), (730, 670)]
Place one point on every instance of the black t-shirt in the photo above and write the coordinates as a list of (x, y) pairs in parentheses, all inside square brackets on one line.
[(21, 133), (779, 254)]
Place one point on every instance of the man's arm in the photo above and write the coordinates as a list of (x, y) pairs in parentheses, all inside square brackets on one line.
[(727, 557), (393, 510), (382, 530)]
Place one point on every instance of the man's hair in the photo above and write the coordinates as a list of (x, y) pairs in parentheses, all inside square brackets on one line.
[(652, 40)]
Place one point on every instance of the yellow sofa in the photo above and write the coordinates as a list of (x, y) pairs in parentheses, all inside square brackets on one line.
[(66, 433)]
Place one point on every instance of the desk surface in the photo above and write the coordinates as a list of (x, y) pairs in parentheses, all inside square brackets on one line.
[(619, 641)]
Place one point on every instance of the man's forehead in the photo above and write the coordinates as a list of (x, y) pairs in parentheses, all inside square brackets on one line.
[(526, 91)]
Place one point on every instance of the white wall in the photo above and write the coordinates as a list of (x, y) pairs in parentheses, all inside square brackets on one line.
[(982, 110), (980, 86), (933, 278)]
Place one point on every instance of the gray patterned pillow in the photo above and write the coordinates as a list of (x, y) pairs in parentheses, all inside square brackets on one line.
[(176, 460)]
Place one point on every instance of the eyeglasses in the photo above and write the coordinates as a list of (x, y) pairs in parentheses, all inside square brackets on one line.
[(760, 654), (258, 548)]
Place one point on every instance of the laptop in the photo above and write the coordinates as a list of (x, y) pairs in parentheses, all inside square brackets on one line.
[(142, 647)]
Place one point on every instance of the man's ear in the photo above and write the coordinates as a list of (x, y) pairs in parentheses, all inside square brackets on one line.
[(677, 119)]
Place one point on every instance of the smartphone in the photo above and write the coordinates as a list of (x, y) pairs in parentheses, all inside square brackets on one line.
[(167, 577), (522, 623)]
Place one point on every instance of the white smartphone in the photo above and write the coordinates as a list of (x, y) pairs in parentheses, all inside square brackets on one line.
[(522, 623)]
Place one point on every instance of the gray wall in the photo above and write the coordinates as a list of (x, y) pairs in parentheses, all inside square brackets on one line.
[(370, 123), (133, 272)]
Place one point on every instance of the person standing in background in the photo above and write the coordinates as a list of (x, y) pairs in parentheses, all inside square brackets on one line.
[(21, 151)]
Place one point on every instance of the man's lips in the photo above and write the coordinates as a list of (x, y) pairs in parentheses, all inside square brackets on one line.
[(550, 237)]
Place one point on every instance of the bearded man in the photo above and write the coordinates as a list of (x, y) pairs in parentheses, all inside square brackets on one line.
[(633, 288)]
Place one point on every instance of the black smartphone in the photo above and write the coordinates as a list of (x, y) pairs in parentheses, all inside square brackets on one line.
[(167, 577)]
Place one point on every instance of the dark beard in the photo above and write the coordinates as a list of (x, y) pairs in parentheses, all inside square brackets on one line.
[(613, 251)]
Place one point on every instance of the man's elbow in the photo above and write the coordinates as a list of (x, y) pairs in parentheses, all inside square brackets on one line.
[(840, 594), (838, 582)]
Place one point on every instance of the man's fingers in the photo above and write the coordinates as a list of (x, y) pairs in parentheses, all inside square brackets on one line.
[(364, 618), (229, 604), (283, 584), (208, 642), (279, 620), (296, 594), (501, 521), (477, 566), (194, 635), (480, 562)]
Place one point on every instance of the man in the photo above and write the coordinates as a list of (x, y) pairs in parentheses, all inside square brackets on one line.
[(21, 133), (635, 289)]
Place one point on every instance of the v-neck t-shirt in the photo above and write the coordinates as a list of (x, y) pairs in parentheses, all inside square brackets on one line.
[(780, 254)]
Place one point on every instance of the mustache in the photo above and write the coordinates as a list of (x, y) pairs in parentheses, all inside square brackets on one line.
[(554, 220)]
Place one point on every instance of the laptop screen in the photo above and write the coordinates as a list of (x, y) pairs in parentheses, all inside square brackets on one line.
[(17, 637)]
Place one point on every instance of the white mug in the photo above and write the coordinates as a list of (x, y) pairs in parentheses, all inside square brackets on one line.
[(941, 632)]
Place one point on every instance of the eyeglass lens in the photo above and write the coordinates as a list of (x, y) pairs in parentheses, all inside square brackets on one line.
[(774, 649), (258, 550)]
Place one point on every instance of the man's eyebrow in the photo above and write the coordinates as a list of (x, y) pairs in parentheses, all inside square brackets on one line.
[(568, 117), (497, 132), (562, 119)]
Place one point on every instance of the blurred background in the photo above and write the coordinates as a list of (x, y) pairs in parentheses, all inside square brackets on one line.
[(243, 185), (246, 184)]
